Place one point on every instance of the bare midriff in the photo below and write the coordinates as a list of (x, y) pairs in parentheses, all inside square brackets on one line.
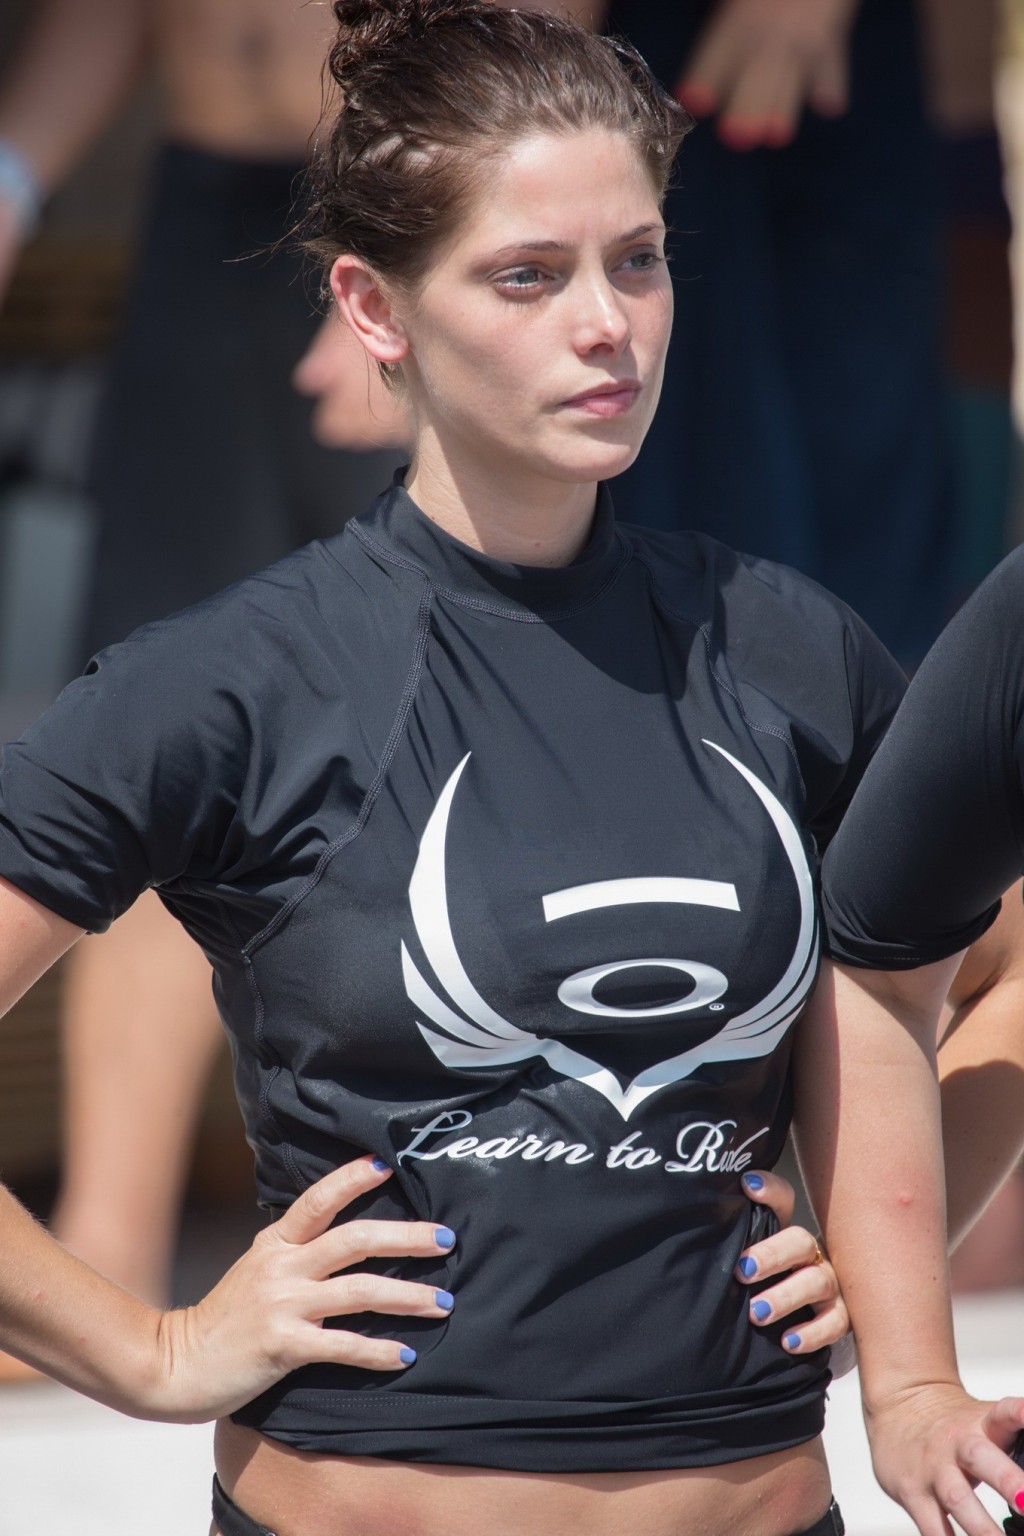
[(296, 1494), (242, 77)]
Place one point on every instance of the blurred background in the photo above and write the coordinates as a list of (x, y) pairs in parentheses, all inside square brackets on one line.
[(74, 300), (58, 321)]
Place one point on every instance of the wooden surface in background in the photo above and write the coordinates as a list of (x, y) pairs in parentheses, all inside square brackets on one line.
[(65, 299), (30, 1084)]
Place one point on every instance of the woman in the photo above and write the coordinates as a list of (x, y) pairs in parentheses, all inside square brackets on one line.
[(442, 799)]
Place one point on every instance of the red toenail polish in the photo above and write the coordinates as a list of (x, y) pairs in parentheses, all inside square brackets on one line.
[(1018, 1499)]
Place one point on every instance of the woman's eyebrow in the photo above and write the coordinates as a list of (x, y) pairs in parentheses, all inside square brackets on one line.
[(561, 245)]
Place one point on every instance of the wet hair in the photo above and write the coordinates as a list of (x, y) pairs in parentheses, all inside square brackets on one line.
[(431, 91)]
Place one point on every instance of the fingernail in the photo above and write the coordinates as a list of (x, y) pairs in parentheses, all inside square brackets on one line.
[(753, 1181), (380, 1165), (1018, 1499), (444, 1237), (406, 1355), (444, 1299), (777, 132), (695, 97), (739, 133), (761, 1310), (792, 1341), (747, 1267)]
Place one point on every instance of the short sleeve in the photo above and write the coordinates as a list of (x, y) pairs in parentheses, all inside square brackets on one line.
[(131, 779), (872, 687), (805, 663), (935, 832)]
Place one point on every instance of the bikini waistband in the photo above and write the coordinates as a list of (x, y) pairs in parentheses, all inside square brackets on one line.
[(232, 1521)]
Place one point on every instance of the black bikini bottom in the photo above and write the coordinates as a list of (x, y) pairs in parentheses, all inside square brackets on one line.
[(232, 1521)]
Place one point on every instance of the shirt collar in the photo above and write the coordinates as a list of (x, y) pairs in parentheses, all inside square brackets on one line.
[(399, 531)]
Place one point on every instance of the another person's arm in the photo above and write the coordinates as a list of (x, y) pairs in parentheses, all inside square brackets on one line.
[(934, 836), (935, 832), (981, 1083), (77, 64), (913, 877), (981, 1069), (869, 1137)]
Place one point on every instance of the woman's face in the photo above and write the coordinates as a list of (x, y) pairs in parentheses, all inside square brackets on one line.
[(537, 339)]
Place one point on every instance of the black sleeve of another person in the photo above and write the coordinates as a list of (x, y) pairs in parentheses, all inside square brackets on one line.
[(935, 831)]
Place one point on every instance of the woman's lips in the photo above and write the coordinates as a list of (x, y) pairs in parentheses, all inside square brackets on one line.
[(613, 400)]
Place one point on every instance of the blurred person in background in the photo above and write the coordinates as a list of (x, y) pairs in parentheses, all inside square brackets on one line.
[(962, 52), (838, 237), (804, 404), (204, 469)]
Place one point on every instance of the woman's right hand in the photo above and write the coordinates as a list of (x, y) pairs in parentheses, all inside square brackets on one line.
[(265, 1317)]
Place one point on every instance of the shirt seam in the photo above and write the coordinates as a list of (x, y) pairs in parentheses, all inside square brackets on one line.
[(342, 840), (370, 798), (499, 610)]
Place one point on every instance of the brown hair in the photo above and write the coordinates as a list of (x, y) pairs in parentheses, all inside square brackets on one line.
[(430, 88)]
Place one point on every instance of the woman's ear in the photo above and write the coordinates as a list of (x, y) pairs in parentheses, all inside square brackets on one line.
[(367, 311)]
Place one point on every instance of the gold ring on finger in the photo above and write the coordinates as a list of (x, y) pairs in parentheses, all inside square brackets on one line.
[(819, 1256)]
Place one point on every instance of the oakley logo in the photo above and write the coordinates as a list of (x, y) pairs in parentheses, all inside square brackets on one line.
[(469, 1034)]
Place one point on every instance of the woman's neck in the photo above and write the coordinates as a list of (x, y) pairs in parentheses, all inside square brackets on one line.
[(528, 520)]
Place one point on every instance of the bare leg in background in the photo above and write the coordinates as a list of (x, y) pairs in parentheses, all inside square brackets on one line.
[(130, 1103)]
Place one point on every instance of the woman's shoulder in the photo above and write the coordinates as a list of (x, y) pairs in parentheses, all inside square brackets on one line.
[(302, 620), (716, 583), (790, 651)]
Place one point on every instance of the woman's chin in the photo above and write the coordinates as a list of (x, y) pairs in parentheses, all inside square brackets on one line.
[(595, 461)]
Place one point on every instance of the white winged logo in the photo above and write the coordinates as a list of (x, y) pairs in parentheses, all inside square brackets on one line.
[(476, 1036)]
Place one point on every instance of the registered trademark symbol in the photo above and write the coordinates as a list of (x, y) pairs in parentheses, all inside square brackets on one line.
[(716, 1007)]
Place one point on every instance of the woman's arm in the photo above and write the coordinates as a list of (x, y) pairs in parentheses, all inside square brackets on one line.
[(262, 1320), (981, 1082), (981, 1069), (867, 1122), (31, 939)]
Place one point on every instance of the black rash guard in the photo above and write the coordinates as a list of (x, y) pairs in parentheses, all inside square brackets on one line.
[(936, 832), (508, 875)]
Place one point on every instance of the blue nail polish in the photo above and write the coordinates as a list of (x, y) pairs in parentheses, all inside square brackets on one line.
[(747, 1267), (444, 1237), (761, 1310), (753, 1181), (444, 1299), (406, 1355), (380, 1165), (792, 1341)]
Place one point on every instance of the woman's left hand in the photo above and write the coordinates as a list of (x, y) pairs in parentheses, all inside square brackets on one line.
[(807, 1277), (931, 1446)]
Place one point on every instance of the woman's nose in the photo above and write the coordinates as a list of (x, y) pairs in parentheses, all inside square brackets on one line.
[(601, 321)]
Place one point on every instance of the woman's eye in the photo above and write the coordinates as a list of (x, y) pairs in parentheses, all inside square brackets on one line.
[(643, 261), (522, 280)]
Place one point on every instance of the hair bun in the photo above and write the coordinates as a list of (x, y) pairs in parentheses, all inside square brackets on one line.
[(369, 28)]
